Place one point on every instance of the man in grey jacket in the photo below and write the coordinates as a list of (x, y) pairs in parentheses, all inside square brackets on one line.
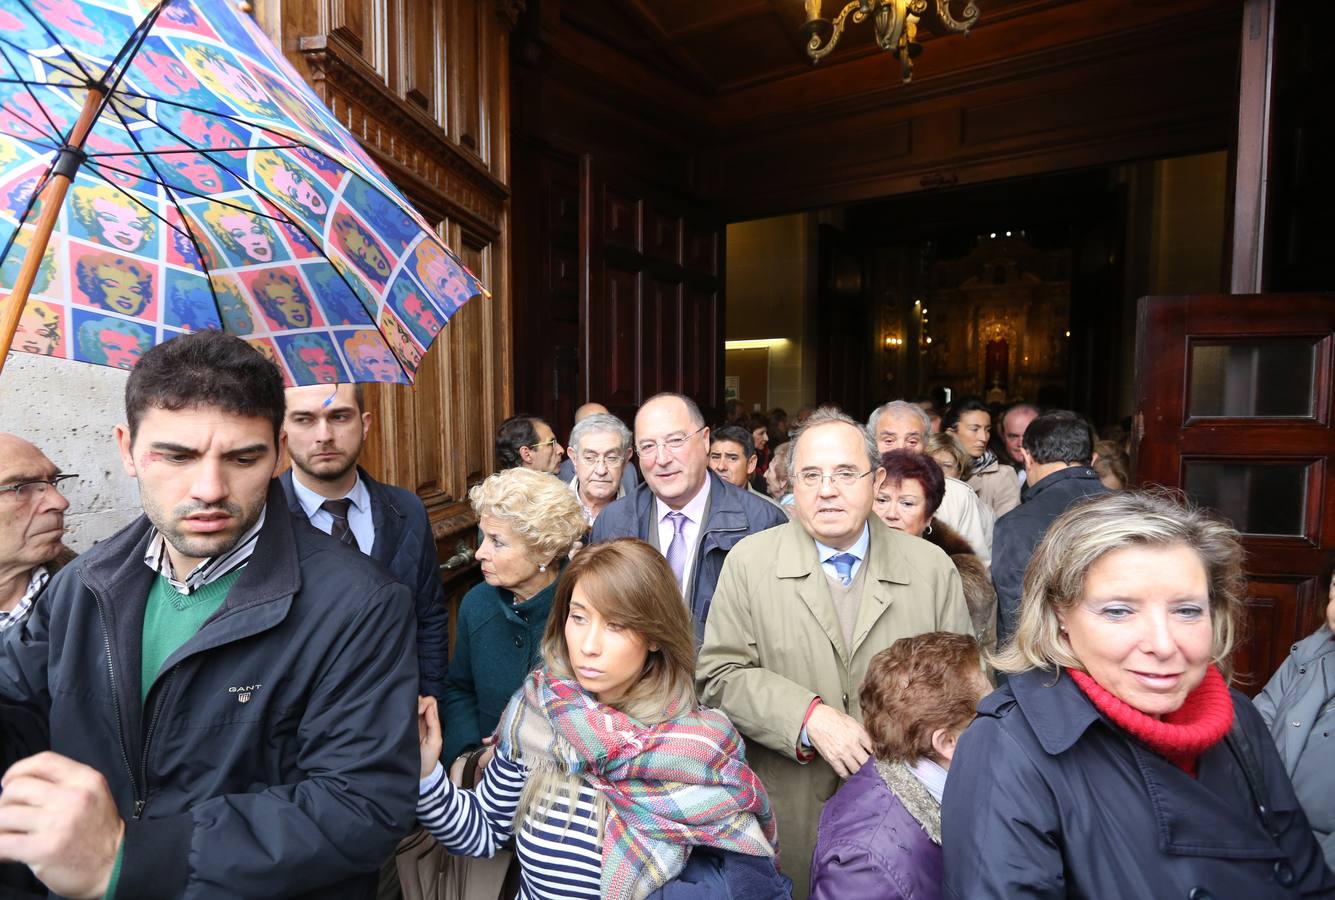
[(1299, 707)]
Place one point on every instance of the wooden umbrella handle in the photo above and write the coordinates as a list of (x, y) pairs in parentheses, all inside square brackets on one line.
[(53, 198)]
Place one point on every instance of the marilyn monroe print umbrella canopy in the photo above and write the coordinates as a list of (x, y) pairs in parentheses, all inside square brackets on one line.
[(164, 169)]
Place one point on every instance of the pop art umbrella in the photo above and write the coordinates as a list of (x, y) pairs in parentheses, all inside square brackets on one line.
[(163, 169)]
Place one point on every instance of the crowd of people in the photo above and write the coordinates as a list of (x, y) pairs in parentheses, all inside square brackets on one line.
[(930, 653)]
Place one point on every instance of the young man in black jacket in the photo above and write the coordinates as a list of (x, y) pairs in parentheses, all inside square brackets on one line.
[(230, 693)]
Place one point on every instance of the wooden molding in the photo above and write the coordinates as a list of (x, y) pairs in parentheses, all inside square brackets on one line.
[(402, 137)]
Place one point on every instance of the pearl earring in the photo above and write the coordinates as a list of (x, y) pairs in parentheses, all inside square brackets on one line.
[(543, 568)]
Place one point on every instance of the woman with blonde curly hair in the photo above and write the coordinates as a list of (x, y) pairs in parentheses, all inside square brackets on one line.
[(1116, 761), (529, 521), (609, 775)]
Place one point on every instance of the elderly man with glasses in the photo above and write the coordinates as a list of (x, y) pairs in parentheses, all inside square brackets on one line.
[(600, 450), (798, 615), (32, 525), (630, 479), (690, 514)]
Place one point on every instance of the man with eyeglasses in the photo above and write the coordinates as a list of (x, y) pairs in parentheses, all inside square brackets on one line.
[(691, 515), (32, 525), (600, 449), (629, 478), (798, 615), (527, 441), (900, 425)]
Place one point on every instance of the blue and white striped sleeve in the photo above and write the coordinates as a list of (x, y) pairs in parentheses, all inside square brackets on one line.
[(476, 822)]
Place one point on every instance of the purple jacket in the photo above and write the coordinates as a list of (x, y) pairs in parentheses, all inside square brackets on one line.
[(871, 847)]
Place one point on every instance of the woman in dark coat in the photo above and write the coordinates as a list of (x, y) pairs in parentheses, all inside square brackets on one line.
[(1116, 762), (880, 835)]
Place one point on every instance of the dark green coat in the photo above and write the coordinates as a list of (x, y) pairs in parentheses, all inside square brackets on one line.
[(498, 644)]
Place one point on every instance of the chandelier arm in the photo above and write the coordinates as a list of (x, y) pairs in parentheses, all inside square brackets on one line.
[(814, 48), (970, 16)]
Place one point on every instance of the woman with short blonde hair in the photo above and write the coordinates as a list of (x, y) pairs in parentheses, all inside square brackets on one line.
[(608, 773), (949, 454), (1116, 761), (528, 520)]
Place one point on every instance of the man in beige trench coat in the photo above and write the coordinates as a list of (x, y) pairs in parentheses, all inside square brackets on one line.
[(799, 612)]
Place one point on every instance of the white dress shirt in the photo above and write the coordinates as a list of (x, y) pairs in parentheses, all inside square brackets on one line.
[(694, 511), (359, 513)]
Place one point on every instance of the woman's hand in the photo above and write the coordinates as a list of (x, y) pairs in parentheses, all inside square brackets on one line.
[(428, 733)]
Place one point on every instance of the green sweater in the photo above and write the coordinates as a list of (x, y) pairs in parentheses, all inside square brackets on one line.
[(170, 619)]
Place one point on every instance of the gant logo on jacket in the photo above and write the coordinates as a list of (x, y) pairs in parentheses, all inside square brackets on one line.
[(244, 691)]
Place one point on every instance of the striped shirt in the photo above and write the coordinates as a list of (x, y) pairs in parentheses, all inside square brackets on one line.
[(211, 569), (558, 861), (8, 618)]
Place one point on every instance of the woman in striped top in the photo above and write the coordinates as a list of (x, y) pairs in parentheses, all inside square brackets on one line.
[(607, 770)]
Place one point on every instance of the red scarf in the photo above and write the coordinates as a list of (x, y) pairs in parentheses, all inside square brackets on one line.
[(1180, 736)]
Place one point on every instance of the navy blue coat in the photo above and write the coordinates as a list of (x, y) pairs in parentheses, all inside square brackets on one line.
[(276, 753), (405, 546), (731, 515), (1048, 799), (1018, 532)]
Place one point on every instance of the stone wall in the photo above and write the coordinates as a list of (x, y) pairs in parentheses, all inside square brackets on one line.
[(68, 409)]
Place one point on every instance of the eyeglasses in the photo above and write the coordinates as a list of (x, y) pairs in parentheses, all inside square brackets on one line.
[(26, 491), (814, 478), (671, 444), (541, 444), (610, 458)]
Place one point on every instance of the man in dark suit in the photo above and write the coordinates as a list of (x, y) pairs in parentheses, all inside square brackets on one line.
[(325, 428), (690, 514), (1057, 449)]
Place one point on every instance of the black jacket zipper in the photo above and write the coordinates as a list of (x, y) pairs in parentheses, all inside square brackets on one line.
[(116, 706), (164, 686)]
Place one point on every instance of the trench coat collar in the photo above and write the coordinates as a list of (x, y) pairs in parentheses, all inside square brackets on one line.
[(886, 565), (1209, 815), (1053, 705)]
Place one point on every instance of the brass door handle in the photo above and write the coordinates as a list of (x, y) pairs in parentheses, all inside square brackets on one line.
[(463, 555)]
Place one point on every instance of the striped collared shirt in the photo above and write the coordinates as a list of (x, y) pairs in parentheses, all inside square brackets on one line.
[(10, 618), (211, 569)]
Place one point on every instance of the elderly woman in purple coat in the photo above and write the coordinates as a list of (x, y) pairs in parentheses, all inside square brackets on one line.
[(880, 835)]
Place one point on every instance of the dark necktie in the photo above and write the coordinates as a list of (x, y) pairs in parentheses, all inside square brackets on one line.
[(338, 509)]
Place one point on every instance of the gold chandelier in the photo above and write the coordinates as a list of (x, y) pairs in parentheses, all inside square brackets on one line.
[(896, 23)]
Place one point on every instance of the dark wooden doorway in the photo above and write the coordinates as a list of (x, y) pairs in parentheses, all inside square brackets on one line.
[(1237, 409)]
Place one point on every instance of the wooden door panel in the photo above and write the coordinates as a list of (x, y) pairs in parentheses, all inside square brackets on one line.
[(353, 21), (660, 347), (618, 335), (1278, 612), (1268, 473)]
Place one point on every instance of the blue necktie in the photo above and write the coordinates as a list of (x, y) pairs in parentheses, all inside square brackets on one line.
[(843, 565)]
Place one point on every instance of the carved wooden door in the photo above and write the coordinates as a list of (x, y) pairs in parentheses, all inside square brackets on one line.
[(1236, 408)]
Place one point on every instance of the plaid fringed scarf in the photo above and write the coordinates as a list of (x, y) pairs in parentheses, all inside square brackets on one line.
[(668, 787)]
